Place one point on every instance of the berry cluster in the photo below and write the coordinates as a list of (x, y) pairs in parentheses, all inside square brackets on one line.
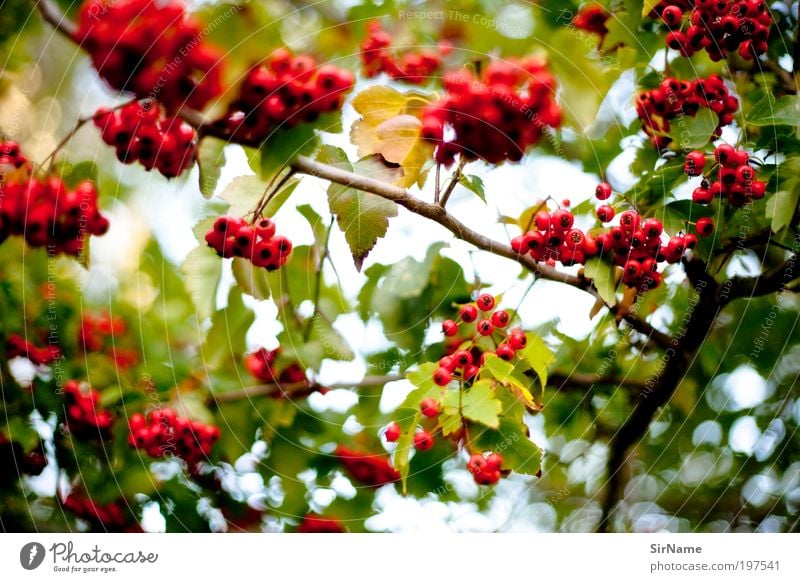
[(492, 323), (736, 179), (141, 132), (234, 237), (313, 523), (113, 516), (102, 333), (11, 159), (151, 48), (494, 116), (50, 215), (555, 239), (366, 468), (592, 18), (261, 364), (674, 99), (486, 470), (282, 92), (411, 67), (17, 346), (14, 462), (163, 433), (637, 244), (718, 26), (84, 417)]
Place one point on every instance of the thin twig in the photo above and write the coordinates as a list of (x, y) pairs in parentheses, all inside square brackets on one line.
[(454, 180), (318, 281)]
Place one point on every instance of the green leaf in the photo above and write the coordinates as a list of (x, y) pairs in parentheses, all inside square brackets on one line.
[(781, 207), (362, 217), (474, 184), (202, 269), (768, 111), (538, 355), (693, 132), (479, 404), (210, 160), (285, 144), (407, 419), (511, 441), (244, 193), (511, 376), (603, 276), (648, 6), (225, 341)]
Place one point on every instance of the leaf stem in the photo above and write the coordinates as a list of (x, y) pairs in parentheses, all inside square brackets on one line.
[(318, 281)]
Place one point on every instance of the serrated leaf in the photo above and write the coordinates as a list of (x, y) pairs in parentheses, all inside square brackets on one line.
[(694, 132), (243, 193), (210, 160), (387, 128), (510, 376), (202, 270), (474, 184), (479, 404), (510, 440), (781, 207), (283, 146), (768, 111), (538, 355), (362, 217), (603, 276)]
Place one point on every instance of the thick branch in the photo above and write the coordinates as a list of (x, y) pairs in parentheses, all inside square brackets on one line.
[(438, 214), (657, 391), (566, 382), (52, 14), (770, 281), (296, 388)]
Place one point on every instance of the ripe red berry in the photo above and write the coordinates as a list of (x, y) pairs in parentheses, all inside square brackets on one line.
[(505, 352), (562, 219), (392, 432), (469, 313), (429, 407), (605, 213), (725, 154), (702, 195), (695, 161), (672, 16), (517, 339), (449, 327), (462, 358), (704, 226), (542, 220), (485, 327), (603, 191), (500, 318), (442, 377), (485, 302), (423, 440)]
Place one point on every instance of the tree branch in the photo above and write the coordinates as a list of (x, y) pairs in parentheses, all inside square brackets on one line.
[(52, 14), (296, 388), (581, 381), (658, 390), (770, 281)]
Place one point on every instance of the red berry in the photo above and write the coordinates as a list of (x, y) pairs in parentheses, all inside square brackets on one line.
[(392, 432), (469, 313), (725, 154), (462, 358), (442, 377), (517, 339), (485, 327), (500, 318), (449, 327), (505, 352), (694, 163), (605, 213), (603, 191), (704, 226), (423, 440), (429, 407), (485, 302)]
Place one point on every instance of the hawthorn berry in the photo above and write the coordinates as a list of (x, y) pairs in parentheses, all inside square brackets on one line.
[(468, 313), (517, 339), (695, 161), (704, 226), (412, 67), (485, 327), (449, 327), (442, 377), (163, 433), (462, 358), (392, 432), (605, 213), (603, 191), (423, 441), (429, 407), (500, 318), (233, 237), (369, 469), (505, 352), (485, 302)]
